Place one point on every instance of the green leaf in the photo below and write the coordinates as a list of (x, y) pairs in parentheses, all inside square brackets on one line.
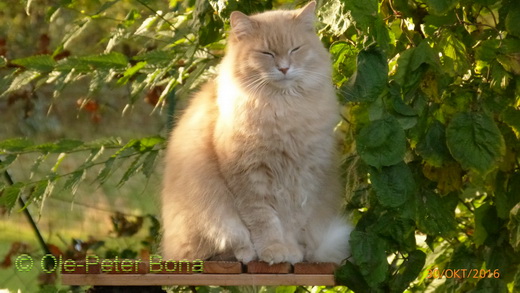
[(130, 72), (432, 148), (363, 13), (44, 63), (15, 145), (513, 19), (344, 60), (408, 271), (40, 192), (394, 185), (106, 171), (440, 7), (514, 227), (511, 117), (6, 161), (435, 214), (349, 275), (486, 223), (106, 61), (149, 163), (286, 289), (475, 141), (369, 252), (37, 163), (21, 80), (148, 143), (506, 193), (74, 180), (370, 78), (62, 146), (411, 64), (335, 16), (3, 61), (382, 142), (10, 194), (134, 167)]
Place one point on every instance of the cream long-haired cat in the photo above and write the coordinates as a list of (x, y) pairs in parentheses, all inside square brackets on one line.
[(251, 168)]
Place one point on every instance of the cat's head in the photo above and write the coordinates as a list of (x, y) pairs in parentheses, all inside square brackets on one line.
[(278, 49)]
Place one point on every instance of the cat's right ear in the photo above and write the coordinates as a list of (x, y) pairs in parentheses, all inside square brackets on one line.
[(241, 24)]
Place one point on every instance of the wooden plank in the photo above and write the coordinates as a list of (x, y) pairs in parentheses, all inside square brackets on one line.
[(322, 268), (196, 279), (222, 267), (261, 267)]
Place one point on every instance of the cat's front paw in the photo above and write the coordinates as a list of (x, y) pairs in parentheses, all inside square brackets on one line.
[(245, 254), (278, 252)]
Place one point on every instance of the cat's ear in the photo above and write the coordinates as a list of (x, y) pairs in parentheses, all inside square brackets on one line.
[(241, 24), (306, 15)]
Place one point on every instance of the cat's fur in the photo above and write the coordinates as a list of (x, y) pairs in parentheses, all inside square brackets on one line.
[(251, 168)]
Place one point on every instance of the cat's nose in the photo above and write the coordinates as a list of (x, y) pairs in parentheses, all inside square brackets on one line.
[(283, 70)]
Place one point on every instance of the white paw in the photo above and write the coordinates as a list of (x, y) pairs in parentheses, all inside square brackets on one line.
[(245, 254), (277, 253)]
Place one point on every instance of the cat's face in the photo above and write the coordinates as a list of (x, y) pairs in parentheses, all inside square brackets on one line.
[(278, 49)]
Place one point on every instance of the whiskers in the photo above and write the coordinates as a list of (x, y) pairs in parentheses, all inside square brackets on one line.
[(254, 84), (298, 82)]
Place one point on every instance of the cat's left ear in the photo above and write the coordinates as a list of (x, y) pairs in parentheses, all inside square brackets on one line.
[(306, 15), (241, 24)]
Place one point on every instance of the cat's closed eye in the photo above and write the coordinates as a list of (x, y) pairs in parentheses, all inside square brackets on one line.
[(295, 49), (267, 53)]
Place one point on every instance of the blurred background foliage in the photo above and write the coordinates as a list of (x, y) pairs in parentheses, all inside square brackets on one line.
[(431, 126)]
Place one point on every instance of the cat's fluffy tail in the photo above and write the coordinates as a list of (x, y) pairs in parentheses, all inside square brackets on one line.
[(334, 246)]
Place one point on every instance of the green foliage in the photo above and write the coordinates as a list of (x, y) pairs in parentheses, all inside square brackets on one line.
[(430, 92)]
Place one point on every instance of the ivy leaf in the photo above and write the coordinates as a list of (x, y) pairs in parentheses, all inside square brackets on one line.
[(369, 252), (475, 141), (394, 185), (370, 78), (382, 142)]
